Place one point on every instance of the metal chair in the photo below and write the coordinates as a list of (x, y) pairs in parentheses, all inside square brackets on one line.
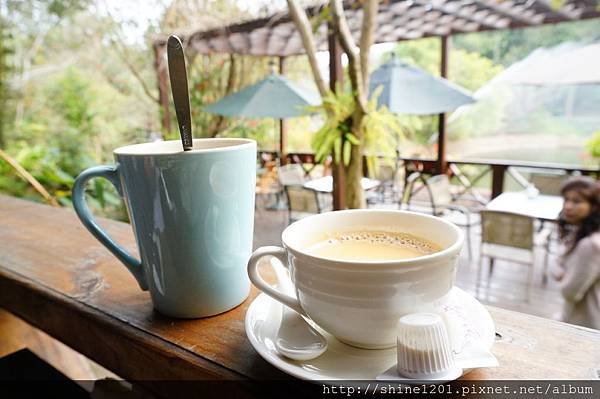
[(291, 174), (511, 237), (440, 202), (386, 191), (301, 201), (267, 184), (548, 183)]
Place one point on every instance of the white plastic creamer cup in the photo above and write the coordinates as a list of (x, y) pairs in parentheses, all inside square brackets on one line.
[(424, 350)]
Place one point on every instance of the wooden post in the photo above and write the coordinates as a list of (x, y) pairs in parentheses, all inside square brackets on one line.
[(336, 75), (282, 122), (160, 67), (498, 179), (442, 164)]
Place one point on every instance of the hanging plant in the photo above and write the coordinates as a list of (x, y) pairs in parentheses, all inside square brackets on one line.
[(382, 130)]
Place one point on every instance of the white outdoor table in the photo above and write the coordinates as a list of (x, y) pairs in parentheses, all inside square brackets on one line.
[(543, 207), (325, 184)]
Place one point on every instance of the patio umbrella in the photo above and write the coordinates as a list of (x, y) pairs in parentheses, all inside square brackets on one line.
[(273, 97), (566, 64), (551, 87), (410, 90)]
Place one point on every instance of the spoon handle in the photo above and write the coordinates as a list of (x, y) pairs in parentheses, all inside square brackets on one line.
[(179, 88)]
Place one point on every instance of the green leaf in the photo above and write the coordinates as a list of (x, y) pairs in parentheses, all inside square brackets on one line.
[(347, 152), (325, 149), (593, 145), (352, 138), (337, 148), (372, 166)]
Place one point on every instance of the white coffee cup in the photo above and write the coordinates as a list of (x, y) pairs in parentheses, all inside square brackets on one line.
[(360, 302)]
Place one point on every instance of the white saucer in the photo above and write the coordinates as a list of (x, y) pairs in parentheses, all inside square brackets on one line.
[(344, 362)]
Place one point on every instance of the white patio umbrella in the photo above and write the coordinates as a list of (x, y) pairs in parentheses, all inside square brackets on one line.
[(568, 64)]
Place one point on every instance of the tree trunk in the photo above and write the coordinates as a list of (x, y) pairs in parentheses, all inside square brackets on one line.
[(308, 41), (358, 71), (355, 198), (163, 89)]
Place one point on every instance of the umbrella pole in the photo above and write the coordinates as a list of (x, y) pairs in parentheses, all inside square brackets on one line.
[(282, 140), (441, 155), (282, 124)]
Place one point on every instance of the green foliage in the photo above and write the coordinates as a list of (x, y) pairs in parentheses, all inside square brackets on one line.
[(56, 143), (85, 87), (593, 145), (337, 110), (64, 7), (322, 17), (44, 164), (264, 131), (425, 53), (381, 130), (76, 93), (471, 70), (72, 101), (505, 47), (5, 69), (208, 77)]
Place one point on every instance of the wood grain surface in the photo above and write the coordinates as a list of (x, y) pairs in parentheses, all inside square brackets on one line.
[(57, 277)]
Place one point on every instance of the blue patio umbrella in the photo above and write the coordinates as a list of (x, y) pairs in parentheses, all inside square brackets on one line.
[(272, 97), (410, 90)]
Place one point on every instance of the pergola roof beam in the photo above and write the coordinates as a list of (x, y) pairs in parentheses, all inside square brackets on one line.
[(398, 20), (569, 11), (510, 9), (454, 8)]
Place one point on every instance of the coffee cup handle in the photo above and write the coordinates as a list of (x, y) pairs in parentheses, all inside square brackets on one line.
[(262, 285), (110, 173)]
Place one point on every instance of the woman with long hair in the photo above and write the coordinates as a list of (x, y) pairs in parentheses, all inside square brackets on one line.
[(579, 271)]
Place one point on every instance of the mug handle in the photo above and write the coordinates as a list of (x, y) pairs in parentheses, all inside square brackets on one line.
[(110, 173), (262, 285)]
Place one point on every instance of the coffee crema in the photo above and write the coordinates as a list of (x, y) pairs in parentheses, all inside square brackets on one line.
[(371, 246)]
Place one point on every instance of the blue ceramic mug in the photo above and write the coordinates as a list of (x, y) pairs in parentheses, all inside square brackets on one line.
[(192, 213)]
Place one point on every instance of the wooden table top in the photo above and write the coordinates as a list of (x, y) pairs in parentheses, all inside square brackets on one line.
[(57, 277)]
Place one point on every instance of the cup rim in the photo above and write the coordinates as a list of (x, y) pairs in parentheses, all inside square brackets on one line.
[(444, 253), (137, 149)]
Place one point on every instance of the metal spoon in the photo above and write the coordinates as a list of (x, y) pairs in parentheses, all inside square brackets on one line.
[(296, 339), (179, 89)]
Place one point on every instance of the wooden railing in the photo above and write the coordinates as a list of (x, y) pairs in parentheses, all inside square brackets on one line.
[(498, 168)]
